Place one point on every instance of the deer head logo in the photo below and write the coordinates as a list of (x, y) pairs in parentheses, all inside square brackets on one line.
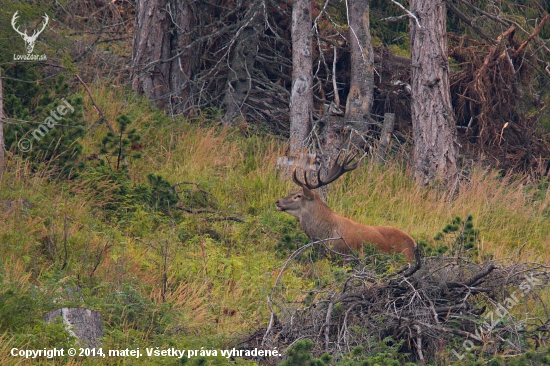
[(29, 40)]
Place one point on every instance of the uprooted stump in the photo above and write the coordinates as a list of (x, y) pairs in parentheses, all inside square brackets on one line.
[(438, 302)]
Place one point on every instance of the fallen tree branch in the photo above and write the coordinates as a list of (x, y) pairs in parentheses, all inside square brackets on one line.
[(488, 15), (468, 21), (409, 13), (209, 211), (473, 281), (194, 211), (537, 30), (107, 122), (225, 218)]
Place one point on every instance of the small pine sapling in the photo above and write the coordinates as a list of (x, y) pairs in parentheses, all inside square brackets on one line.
[(122, 145)]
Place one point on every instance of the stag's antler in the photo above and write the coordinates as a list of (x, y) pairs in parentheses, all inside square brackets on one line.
[(13, 20), (46, 20), (29, 40), (335, 171)]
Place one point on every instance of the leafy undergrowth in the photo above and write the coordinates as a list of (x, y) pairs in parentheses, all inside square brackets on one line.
[(193, 268)]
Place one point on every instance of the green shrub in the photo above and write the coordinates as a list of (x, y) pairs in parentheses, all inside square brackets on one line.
[(385, 352), (457, 238), (47, 335), (50, 149), (120, 145)]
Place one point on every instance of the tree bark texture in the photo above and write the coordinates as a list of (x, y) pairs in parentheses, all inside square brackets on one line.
[(239, 81), (161, 62), (360, 97), (2, 144), (434, 127), (301, 97), (385, 137), (331, 142)]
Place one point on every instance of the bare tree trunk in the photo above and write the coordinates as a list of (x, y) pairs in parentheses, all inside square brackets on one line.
[(360, 97), (434, 131), (239, 82), (331, 142), (301, 97), (385, 137), (2, 144), (162, 65)]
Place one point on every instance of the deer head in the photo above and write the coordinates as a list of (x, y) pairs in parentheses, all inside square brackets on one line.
[(29, 40), (297, 202)]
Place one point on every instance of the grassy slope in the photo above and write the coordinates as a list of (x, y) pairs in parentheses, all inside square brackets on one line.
[(219, 272)]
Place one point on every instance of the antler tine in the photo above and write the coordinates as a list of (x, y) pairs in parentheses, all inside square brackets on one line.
[(13, 23), (295, 178), (46, 21), (338, 169), (305, 183), (349, 158), (308, 185), (36, 32)]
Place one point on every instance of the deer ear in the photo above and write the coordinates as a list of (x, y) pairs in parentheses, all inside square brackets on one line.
[(308, 193)]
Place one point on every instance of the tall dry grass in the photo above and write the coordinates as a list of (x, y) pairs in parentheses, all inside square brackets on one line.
[(507, 211)]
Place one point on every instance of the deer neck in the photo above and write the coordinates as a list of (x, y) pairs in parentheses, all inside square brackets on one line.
[(319, 222)]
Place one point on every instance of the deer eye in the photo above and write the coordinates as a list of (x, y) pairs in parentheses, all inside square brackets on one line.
[(298, 196)]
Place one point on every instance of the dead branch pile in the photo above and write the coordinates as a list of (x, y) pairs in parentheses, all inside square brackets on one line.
[(439, 302), (498, 115), (103, 29)]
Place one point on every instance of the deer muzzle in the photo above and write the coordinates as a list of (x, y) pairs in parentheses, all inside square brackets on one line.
[(279, 206)]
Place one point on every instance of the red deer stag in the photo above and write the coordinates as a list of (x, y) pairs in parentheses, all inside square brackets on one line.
[(320, 222)]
